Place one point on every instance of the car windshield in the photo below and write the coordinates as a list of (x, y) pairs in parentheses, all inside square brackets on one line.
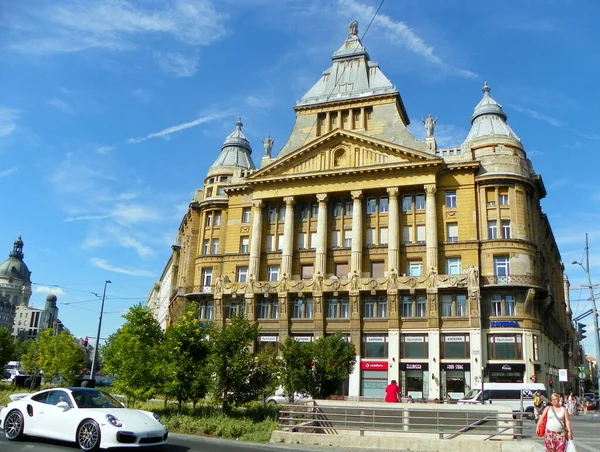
[(91, 398), (471, 394)]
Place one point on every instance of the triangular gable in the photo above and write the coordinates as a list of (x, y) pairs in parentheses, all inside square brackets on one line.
[(341, 150)]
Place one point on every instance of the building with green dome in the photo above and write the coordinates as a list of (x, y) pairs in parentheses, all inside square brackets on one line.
[(15, 285)]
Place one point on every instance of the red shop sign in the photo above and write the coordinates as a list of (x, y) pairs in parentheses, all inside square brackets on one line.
[(369, 365)]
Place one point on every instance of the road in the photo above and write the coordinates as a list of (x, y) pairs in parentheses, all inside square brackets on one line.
[(585, 430)]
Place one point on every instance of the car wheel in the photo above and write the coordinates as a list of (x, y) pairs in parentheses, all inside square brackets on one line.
[(13, 425), (272, 402), (88, 435)]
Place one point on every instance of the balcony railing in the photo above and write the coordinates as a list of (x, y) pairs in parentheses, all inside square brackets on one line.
[(512, 280)]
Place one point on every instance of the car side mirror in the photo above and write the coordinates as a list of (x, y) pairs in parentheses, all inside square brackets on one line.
[(63, 405)]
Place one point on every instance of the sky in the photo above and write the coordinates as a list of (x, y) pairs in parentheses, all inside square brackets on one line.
[(111, 112)]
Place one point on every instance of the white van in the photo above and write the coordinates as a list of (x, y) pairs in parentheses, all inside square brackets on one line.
[(510, 394)]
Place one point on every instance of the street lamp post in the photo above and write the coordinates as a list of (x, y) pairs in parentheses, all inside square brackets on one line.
[(95, 357), (586, 269)]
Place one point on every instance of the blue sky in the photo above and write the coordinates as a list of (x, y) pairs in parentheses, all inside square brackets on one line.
[(111, 112)]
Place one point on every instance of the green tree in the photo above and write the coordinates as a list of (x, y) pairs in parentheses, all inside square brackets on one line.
[(133, 354), (185, 354), (7, 347), (59, 355), (30, 357), (238, 376), (296, 363), (21, 346), (333, 361)]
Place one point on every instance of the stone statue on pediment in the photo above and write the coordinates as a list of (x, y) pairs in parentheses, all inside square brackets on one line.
[(429, 125), (353, 28), (268, 144)]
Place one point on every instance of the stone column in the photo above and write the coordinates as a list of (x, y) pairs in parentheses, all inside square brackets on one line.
[(339, 119), (327, 122), (363, 118), (257, 221), (431, 238), (393, 230), (356, 256), (321, 245), (288, 237)]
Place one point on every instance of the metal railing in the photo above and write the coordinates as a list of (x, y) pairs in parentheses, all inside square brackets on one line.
[(513, 280), (443, 423)]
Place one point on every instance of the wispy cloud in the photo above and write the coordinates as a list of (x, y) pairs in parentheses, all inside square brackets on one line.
[(60, 104), (537, 115), (104, 265), (186, 125), (105, 149), (122, 213), (8, 120), (50, 290), (177, 64), (400, 33), (9, 171)]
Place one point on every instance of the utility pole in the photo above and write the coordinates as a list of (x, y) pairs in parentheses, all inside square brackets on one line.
[(586, 269), (95, 357)]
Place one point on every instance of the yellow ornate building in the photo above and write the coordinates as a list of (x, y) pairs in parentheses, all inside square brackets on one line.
[(438, 264)]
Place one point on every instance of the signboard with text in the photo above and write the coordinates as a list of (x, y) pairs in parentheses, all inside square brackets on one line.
[(374, 365)]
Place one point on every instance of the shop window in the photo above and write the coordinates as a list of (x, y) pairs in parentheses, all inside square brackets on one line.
[(455, 346), (414, 346), (374, 346), (270, 346), (505, 347)]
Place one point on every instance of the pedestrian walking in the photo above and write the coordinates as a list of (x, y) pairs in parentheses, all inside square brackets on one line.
[(558, 425)]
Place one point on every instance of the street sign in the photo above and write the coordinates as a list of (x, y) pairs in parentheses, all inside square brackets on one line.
[(581, 375)]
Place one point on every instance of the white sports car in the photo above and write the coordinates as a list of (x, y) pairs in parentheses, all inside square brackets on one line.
[(91, 418)]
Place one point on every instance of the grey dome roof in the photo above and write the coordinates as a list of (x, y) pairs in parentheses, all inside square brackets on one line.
[(51, 297), (14, 267), (235, 151), (489, 119)]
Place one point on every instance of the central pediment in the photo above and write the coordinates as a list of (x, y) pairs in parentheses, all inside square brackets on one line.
[(342, 151)]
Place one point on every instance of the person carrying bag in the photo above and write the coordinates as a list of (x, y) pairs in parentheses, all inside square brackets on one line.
[(557, 427)]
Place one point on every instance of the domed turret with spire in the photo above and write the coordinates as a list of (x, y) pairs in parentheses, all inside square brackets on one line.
[(14, 267), (235, 151), (489, 119)]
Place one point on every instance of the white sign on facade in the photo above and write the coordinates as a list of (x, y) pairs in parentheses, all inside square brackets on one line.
[(413, 339), (454, 339), (375, 339), (303, 338), (504, 340), (563, 375), (268, 338)]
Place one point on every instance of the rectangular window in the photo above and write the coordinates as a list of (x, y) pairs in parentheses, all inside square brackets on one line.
[(335, 239), (272, 215), (347, 239), (280, 242), (461, 305), (374, 346), (341, 270), (207, 277), (273, 273), (371, 205), (406, 234), (206, 247), (407, 306), (420, 201), (241, 274), (337, 209), (421, 234), (453, 266), (313, 240), (270, 243), (490, 197), (496, 305), (505, 347), (370, 236), (217, 219), (369, 307), (377, 269), (415, 268), (455, 346), (206, 310), (348, 208), (208, 221), (414, 346), (314, 210), (215, 246), (382, 307), (302, 308), (303, 211), (268, 308), (407, 203), (501, 269), (338, 308), (306, 271), (452, 232), (383, 204), (421, 306), (246, 213), (446, 305), (302, 241), (492, 230), (383, 236), (244, 244), (509, 305), (506, 229), (503, 198), (451, 199), (234, 308), (281, 213)]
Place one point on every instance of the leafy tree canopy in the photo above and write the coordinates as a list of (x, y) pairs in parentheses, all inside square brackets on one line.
[(59, 355), (7, 347), (333, 362)]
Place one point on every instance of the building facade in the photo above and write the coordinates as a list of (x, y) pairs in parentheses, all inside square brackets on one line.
[(438, 264), (15, 285)]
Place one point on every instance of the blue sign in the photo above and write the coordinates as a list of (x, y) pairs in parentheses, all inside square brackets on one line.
[(509, 324)]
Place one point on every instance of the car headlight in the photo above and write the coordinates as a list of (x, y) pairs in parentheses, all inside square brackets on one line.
[(113, 420), (157, 418)]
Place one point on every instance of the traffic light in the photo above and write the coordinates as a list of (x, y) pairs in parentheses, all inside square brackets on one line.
[(581, 332), (85, 342)]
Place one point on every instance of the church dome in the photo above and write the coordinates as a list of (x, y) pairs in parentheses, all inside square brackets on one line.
[(14, 267)]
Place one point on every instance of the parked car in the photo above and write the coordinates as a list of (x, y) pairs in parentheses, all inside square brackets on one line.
[(10, 374), (281, 398), (91, 418)]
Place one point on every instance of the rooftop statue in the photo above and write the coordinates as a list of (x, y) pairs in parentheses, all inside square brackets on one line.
[(353, 28), (268, 144), (429, 125)]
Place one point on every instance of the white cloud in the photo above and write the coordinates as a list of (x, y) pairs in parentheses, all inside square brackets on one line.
[(60, 104), (399, 33), (51, 290), (77, 25), (537, 115), (177, 64), (104, 265), (130, 242), (8, 120), (186, 125), (105, 149), (9, 171)]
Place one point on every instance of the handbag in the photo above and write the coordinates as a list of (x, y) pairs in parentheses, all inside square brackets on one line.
[(541, 426), (570, 446)]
